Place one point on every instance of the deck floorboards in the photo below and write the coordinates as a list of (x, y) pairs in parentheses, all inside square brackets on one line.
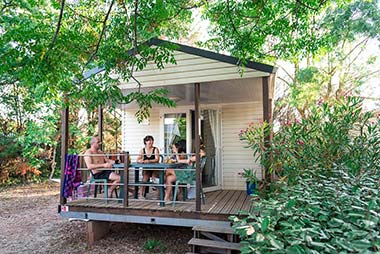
[(221, 203)]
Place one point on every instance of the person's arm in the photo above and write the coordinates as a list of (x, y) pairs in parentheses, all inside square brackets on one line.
[(181, 158), (192, 159), (88, 159), (140, 158), (156, 156)]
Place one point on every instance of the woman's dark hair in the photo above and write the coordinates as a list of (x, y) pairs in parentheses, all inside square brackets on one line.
[(181, 145), (148, 138)]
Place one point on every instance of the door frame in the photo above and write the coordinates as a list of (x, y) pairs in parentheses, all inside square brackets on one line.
[(180, 109), (218, 150), (187, 110)]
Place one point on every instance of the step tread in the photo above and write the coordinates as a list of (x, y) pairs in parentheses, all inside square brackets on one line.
[(214, 229), (215, 244)]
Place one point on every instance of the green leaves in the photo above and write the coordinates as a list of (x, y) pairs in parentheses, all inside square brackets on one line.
[(145, 101), (329, 202)]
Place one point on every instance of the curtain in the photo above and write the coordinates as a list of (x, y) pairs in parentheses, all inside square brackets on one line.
[(213, 117), (171, 131)]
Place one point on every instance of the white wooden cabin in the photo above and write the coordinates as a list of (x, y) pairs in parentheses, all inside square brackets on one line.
[(229, 101), (206, 86)]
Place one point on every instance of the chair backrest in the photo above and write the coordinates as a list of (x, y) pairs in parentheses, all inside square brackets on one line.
[(203, 162), (190, 176), (82, 164)]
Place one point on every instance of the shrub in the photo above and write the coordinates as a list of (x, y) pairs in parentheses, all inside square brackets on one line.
[(333, 133), (335, 214), (329, 199), (154, 246)]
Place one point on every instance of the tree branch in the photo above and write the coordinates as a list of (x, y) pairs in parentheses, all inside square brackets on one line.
[(101, 34), (7, 4), (58, 26), (135, 51), (230, 18), (309, 7), (83, 16), (287, 73)]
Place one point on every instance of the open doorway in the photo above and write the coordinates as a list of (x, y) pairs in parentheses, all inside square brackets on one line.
[(210, 134)]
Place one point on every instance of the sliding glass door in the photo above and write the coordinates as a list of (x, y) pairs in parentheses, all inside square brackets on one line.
[(179, 126)]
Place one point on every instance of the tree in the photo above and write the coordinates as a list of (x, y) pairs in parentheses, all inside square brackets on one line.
[(47, 46), (321, 39)]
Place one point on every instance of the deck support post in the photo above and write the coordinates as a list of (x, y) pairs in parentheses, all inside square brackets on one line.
[(100, 125), (126, 179), (267, 117), (96, 230), (64, 143), (197, 91)]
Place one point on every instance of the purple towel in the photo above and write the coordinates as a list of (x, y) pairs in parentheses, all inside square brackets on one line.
[(72, 178)]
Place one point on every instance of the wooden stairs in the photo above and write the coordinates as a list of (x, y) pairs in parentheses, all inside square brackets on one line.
[(212, 239)]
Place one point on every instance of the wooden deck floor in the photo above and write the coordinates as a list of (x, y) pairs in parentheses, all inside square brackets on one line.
[(219, 205)]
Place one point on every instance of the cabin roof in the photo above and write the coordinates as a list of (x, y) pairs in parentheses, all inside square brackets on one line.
[(195, 65)]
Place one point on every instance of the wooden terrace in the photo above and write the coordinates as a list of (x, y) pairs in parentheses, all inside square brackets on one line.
[(218, 207)]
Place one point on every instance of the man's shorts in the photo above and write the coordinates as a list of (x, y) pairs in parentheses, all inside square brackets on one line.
[(105, 174)]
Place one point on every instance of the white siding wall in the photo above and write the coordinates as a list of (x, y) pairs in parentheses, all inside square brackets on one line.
[(234, 156), (133, 133)]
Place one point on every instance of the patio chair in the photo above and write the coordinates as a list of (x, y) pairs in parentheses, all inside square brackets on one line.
[(99, 183), (186, 177), (150, 182)]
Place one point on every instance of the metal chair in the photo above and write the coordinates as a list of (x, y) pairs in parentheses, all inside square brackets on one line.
[(188, 178)]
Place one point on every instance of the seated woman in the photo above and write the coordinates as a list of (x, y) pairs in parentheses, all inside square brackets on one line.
[(149, 154), (191, 161), (178, 156), (202, 153)]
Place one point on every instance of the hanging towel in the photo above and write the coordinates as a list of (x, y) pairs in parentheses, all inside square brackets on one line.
[(72, 177)]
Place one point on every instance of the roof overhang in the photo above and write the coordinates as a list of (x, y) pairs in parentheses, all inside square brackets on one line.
[(194, 65)]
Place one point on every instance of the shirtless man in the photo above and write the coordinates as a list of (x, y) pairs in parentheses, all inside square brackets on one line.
[(98, 162)]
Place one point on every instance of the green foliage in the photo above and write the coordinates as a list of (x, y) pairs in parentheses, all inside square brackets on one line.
[(154, 246), (328, 199), (334, 132), (325, 45), (146, 100), (334, 213), (249, 175), (44, 58), (290, 30)]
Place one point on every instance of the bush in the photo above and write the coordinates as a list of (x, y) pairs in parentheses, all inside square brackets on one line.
[(334, 133), (335, 214), (154, 246), (328, 201)]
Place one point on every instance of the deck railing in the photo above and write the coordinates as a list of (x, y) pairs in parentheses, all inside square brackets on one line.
[(125, 182)]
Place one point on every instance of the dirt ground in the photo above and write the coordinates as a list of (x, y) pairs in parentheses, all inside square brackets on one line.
[(29, 223)]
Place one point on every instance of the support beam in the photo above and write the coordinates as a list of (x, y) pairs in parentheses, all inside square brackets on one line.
[(100, 125), (126, 179), (267, 117), (96, 230), (197, 92), (64, 143)]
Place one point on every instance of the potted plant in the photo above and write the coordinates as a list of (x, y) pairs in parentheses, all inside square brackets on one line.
[(251, 180)]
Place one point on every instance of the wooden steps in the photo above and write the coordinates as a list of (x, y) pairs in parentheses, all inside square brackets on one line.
[(215, 244), (214, 229), (214, 239)]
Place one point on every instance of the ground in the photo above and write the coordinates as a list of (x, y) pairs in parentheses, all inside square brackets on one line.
[(29, 223)]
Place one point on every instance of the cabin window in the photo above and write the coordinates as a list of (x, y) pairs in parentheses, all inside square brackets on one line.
[(174, 129)]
